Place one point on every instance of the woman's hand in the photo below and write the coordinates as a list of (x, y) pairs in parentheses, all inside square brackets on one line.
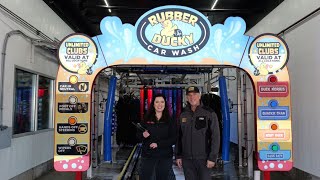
[(145, 134), (179, 163), (153, 145), (210, 164)]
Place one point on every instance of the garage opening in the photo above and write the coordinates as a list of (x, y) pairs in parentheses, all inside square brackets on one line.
[(134, 88)]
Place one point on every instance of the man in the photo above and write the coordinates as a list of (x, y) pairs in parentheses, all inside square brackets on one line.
[(198, 142)]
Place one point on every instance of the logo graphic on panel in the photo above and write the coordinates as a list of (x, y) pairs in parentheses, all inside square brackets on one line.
[(77, 53), (268, 54), (173, 31)]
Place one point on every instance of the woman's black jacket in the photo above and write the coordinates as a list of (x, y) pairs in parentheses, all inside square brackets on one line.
[(162, 133)]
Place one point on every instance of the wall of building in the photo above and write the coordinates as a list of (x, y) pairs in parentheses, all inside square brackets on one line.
[(303, 62), (38, 14), (31, 149)]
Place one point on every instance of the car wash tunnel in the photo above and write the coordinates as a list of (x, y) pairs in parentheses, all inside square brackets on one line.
[(105, 85), (121, 95)]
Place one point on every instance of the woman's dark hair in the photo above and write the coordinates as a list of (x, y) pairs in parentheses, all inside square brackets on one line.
[(151, 114)]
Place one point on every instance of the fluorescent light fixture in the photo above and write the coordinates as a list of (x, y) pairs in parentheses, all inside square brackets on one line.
[(214, 4), (105, 1)]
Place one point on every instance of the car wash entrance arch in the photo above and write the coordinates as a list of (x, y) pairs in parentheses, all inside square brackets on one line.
[(179, 36)]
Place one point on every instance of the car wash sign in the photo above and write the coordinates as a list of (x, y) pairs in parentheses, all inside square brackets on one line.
[(269, 54), (173, 32), (172, 35)]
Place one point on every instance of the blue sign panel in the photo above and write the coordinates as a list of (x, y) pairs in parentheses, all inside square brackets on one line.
[(273, 111), (274, 153)]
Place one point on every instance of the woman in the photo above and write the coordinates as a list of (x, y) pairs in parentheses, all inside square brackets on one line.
[(157, 140)]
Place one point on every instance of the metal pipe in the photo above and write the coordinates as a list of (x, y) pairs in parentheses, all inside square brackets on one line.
[(3, 60), (208, 84), (215, 77), (141, 78), (245, 123), (24, 23), (239, 117), (250, 132), (93, 134), (96, 122), (182, 77), (257, 175)]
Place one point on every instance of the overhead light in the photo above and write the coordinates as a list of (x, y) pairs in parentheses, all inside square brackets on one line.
[(105, 1), (214, 4)]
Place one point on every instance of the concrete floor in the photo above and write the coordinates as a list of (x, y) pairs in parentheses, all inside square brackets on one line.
[(107, 171)]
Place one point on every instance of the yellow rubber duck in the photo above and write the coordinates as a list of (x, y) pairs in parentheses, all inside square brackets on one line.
[(263, 69), (83, 68), (168, 28)]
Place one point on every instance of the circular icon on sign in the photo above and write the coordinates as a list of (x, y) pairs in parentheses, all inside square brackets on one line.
[(268, 54), (83, 87), (82, 128), (72, 120), (77, 53), (274, 147), (72, 141), (274, 126), (73, 79), (273, 103), (73, 100)]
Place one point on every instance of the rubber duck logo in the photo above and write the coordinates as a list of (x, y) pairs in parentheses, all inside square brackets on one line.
[(83, 68), (169, 29), (77, 53), (173, 31), (268, 54), (263, 69)]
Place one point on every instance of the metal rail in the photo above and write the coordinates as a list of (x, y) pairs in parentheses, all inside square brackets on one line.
[(130, 164)]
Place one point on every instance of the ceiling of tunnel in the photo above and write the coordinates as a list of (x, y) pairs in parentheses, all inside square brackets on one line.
[(84, 16), (162, 76)]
